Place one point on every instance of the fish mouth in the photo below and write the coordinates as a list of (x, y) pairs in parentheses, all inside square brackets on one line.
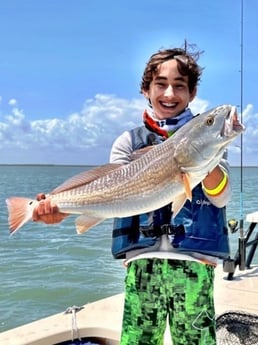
[(232, 126)]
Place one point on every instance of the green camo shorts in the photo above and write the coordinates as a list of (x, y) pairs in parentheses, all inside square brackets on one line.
[(157, 289)]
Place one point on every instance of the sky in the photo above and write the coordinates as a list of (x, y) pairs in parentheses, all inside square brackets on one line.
[(70, 72)]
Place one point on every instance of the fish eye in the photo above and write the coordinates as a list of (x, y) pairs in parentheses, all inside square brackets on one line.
[(210, 120)]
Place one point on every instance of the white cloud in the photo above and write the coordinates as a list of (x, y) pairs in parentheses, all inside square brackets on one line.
[(199, 105), (12, 102), (80, 138), (86, 137)]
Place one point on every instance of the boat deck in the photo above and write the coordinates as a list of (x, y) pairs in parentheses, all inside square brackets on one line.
[(241, 293), (102, 319)]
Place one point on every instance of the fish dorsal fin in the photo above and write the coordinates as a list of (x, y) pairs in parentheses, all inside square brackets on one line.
[(138, 153), (85, 177)]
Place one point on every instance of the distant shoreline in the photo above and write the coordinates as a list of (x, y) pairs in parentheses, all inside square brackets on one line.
[(50, 165), (90, 165)]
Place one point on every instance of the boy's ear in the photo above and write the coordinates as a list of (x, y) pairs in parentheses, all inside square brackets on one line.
[(145, 93), (193, 94)]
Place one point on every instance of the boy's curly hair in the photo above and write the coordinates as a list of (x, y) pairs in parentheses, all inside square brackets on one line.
[(187, 65)]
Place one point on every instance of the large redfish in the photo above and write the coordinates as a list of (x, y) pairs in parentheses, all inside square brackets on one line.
[(165, 173)]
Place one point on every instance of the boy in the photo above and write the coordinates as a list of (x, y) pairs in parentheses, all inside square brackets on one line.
[(178, 286), (170, 261)]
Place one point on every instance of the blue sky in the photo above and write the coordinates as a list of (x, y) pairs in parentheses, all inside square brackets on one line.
[(70, 71)]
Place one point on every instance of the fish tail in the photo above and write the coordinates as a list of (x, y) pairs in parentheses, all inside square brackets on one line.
[(20, 212)]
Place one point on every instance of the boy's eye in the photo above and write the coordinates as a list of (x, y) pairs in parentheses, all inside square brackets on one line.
[(180, 86), (160, 84)]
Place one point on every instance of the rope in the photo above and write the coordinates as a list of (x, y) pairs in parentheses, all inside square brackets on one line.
[(74, 331)]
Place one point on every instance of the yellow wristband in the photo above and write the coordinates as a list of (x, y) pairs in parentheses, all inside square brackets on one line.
[(219, 187)]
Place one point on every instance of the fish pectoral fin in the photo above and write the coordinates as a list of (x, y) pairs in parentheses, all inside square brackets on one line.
[(178, 203), (180, 200), (84, 223), (187, 185)]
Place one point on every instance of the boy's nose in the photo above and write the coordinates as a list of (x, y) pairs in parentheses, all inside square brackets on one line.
[(169, 91)]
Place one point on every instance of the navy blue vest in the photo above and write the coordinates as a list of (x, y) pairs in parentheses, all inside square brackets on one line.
[(205, 229)]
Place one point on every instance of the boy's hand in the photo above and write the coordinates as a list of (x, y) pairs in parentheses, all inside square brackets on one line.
[(46, 211)]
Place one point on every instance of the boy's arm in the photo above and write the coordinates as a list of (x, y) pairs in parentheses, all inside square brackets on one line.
[(217, 185)]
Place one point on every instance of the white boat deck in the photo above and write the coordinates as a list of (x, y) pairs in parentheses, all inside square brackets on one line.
[(103, 318), (241, 293)]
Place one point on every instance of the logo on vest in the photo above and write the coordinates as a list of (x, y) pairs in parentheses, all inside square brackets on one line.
[(203, 202)]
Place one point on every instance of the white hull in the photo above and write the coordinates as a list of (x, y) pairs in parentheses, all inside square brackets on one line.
[(103, 319)]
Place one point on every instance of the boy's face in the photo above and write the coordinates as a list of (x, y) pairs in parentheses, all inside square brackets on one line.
[(169, 92)]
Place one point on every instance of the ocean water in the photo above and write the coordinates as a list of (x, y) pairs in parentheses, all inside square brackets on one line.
[(46, 269)]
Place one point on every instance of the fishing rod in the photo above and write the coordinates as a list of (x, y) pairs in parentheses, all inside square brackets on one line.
[(241, 240), (229, 265)]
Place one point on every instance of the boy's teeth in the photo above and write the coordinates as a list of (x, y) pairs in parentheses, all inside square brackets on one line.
[(169, 104)]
